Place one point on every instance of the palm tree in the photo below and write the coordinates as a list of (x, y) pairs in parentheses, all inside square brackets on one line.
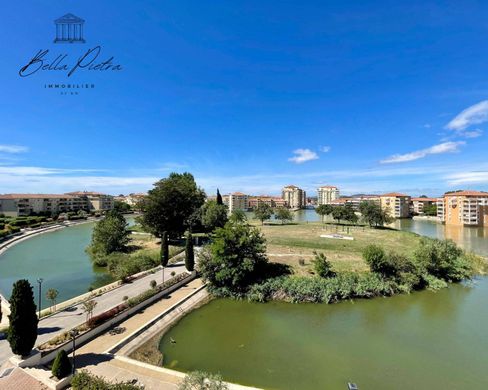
[(52, 295)]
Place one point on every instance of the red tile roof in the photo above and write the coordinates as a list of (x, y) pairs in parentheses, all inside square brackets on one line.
[(425, 199), (467, 193)]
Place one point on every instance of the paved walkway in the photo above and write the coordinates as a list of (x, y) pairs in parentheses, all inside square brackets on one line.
[(90, 356), (51, 326)]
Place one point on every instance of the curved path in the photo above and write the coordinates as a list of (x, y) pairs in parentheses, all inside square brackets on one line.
[(73, 316)]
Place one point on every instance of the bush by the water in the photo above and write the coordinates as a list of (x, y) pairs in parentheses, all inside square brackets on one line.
[(83, 380), (198, 380), (61, 366)]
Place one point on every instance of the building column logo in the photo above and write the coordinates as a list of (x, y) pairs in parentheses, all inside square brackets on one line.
[(69, 29)]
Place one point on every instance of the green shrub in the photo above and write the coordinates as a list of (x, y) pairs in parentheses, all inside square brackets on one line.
[(61, 366), (83, 380), (322, 267)]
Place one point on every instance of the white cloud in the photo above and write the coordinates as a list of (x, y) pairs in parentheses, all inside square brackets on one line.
[(445, 147), (473, 133), (476, 114), (473, 177), (427, 126), (325, 149), (303, 155), (13, 149)]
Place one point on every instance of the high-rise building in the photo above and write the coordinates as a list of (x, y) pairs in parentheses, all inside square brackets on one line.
[(295, 197), (238, 201), (327, 194), (463, 208), (397, 205)]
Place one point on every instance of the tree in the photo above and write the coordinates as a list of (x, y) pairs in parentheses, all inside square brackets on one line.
[(88, 307), (348, 214), (52, 295), (235, 258), (189, 253), (62, 366), (430, 210), (22, 331), (172, 205), (322, 266), (323, 210), (219, 198), (338, 213), (283, 214), (373, 214), (164, 249), (198, 380), (238, 216), (214, 215), (121, 207), (263, 212), (109, 235)]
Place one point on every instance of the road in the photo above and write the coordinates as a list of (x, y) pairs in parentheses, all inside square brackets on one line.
[(74, 316)]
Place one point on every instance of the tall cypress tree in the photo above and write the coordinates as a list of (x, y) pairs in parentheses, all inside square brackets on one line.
[(164, 249), (22, 332), (189, 253), (219, 198)]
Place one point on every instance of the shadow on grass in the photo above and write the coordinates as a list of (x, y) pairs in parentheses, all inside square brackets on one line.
[(274, 270)]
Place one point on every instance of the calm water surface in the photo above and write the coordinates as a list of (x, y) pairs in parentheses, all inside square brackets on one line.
[(424, 340), (59, 258)]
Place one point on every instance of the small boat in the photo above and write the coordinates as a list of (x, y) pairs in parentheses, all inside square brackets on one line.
[(352, 386), (172, 341)]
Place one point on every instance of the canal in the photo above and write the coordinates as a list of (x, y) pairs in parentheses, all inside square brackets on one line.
[(425, 340), (59, 258)]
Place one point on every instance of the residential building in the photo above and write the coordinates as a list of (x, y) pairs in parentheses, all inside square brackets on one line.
[(327, 194), (418, 204), (95, 201), (17, 205), (238, 201), (272, 201), (464, 208), (295, 197), (396, 204)]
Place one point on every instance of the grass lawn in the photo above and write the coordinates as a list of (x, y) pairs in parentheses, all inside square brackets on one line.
[(289, 243)]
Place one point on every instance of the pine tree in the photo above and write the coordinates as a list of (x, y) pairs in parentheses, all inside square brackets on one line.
[(189, 253), (62, 366), (219, 198), (22, 332), (164, 249)]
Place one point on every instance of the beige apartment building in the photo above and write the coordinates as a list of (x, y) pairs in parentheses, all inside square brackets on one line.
[(327, 194), (237, 201), (397, 205), (418, 204), (463, 208), (295, 197), (17, 205), (272, 201)]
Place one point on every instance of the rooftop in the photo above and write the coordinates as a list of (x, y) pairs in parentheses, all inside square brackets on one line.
[(36, 196), (467, 193), (394, 194)]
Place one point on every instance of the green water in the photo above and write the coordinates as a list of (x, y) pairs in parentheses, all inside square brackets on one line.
[(425, 340), (58, 258)]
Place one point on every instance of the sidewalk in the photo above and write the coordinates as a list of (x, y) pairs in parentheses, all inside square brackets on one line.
[(73, 316)]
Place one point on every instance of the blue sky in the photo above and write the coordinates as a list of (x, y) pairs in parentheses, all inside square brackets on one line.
[(249, 96)]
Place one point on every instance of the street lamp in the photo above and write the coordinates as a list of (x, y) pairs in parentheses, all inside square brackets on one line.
[(40, 280), (162, 286), (73, 333)]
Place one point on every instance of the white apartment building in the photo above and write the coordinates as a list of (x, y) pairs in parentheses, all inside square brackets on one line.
[(17, 205), (327, 194), (237, 201)]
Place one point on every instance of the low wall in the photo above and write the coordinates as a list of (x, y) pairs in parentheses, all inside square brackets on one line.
[(159, 323), (40, 358)]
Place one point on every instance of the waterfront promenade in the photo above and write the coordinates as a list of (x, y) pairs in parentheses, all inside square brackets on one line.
[(73, 316)]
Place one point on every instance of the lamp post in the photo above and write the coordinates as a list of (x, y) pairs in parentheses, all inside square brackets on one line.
[(40, 280), (162, 286), (73, 333)]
